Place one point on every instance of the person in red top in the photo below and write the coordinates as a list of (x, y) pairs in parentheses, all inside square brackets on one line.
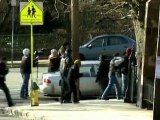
[(124, 70)]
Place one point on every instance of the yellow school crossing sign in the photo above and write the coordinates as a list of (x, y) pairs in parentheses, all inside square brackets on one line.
[(31, 13)]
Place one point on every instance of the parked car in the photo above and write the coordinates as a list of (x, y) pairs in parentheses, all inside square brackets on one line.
[(105, 44), (88, 86)]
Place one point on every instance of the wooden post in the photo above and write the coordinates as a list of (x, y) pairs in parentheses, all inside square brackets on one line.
[(75, 32)]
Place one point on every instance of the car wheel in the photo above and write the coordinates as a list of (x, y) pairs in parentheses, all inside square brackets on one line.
[(82, 57)]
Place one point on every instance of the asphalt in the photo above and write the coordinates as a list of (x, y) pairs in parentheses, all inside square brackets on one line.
[(86, 110)]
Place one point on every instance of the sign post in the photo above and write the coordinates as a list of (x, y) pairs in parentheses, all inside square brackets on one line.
[(13, 4), (31, 13)]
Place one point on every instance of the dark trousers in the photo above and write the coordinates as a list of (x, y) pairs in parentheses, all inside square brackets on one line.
[(73, 89), (65, 90), (103, 82), (5, 89)]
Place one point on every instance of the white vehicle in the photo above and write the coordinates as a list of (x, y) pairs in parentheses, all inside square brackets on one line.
[(88, 86)]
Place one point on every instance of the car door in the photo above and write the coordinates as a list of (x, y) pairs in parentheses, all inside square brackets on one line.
[(95, 48), (115, 44), (88, 86)]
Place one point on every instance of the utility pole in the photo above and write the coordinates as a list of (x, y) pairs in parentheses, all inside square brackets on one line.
[(156, 102), (75, 28), (75, 33)]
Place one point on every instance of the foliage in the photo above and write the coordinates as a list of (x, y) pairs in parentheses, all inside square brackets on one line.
[(111, 17), (96, 16)]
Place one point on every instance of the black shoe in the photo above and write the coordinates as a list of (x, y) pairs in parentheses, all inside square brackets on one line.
[(104, 98), (12, 104), (99, 98), (75, 102), (126, 100), (61, 100), (67, 101), (118, 98)]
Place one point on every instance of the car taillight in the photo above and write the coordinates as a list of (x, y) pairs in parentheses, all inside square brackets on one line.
[(47, 81)]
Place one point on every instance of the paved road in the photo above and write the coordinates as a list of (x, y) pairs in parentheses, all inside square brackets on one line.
[(14, 81)]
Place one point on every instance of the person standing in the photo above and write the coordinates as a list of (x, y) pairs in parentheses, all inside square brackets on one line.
[(102, 73), (3, 72), (115, 61), (54, 61), (65, 64), (25, 70), (63, 48), (72, 78), (124, 70)]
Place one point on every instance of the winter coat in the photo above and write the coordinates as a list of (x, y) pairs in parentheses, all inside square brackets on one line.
[(25, 66), (3, 71), (102, 70), (73, 74), (54, 63)]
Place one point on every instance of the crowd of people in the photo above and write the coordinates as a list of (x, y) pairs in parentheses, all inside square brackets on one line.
[(117, 65), (106, 76), (69, 70)]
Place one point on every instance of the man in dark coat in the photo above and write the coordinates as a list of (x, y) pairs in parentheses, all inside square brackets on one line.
[(3, 86), (72, 78), (25, 70), (102, 73), (65, 64)]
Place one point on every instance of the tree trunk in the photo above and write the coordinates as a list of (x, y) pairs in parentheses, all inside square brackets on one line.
[(139, 33)]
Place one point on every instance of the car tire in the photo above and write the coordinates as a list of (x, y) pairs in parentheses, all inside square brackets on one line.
[(81, 57)]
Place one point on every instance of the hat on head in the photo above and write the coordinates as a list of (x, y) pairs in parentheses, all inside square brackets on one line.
[(128, 51), (54, 52), (77, 62), (102, 57), (26, 51)]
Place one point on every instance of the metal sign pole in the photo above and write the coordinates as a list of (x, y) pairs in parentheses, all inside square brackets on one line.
[(31, 13), (13, 4), (32, 71)]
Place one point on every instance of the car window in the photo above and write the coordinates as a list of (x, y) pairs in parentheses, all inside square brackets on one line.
[(115, 40), (88, 70), (97, 42)]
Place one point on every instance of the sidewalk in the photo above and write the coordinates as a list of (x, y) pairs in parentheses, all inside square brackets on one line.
[(85, 110)]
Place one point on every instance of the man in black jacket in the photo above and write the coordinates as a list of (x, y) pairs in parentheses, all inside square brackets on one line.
[(102, 73), (25, 70), (3, 86), (72, 78)]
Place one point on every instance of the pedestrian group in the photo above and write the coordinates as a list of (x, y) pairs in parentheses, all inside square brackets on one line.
[(62, 60)]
